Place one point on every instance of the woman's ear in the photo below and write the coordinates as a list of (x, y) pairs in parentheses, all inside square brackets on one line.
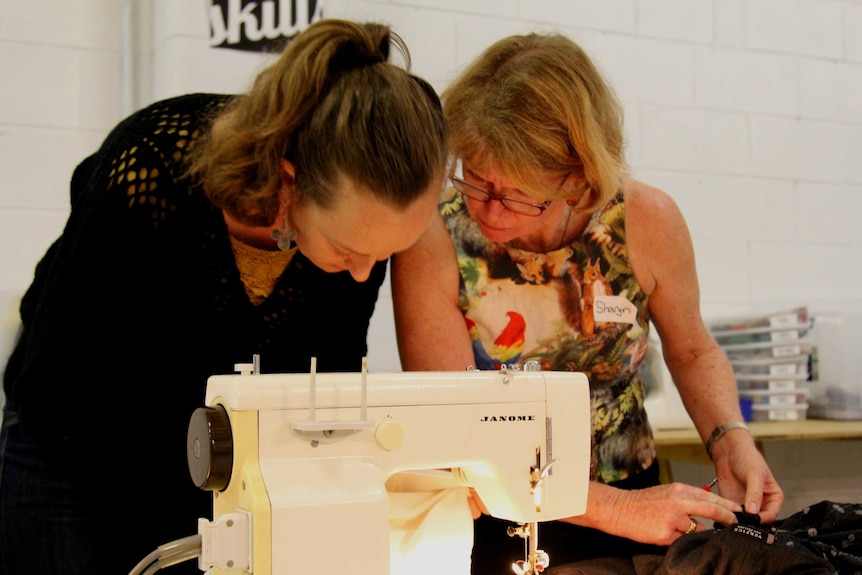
[(576, 189), (572, 185)]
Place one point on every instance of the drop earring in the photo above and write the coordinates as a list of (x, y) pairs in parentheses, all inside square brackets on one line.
[(284, 237)]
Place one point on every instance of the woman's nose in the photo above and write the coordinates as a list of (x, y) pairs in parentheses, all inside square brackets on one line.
[(494, 209)]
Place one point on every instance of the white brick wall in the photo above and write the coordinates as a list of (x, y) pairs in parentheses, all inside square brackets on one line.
[(748, 112)]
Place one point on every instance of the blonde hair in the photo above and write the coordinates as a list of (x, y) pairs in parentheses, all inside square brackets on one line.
[(536, 105), (334, 106)]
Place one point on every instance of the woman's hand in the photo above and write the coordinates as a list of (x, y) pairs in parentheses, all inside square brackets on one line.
[(657, 515), (745, 477)]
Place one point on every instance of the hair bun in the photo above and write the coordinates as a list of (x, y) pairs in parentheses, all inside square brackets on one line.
[(349, 58)]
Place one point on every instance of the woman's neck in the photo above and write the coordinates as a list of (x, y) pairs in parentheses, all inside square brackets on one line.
[(256, 236)]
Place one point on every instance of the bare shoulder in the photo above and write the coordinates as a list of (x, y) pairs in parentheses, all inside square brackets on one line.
[(657, 236), (653, 211), (644, 200)]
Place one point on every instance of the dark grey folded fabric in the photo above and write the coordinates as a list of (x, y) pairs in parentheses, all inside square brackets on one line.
[(822, 539)]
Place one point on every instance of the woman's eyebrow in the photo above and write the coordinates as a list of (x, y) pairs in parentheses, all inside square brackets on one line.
[(472, 174), (341, 247), (487, 183)]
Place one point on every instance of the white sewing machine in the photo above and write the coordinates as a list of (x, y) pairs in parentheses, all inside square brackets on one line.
[(298, 462)]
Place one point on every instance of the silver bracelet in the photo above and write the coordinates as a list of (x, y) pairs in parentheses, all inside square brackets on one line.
[(721, 430)]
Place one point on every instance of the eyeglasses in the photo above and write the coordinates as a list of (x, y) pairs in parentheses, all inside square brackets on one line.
[(485, 196)]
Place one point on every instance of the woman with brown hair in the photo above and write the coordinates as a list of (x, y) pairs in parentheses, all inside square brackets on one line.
[(205, 230)]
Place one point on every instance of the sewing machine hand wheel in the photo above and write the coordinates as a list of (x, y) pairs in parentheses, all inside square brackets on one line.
[(209, 448)]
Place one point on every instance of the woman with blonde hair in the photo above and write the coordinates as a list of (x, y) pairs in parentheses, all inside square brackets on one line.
[(549, 251)]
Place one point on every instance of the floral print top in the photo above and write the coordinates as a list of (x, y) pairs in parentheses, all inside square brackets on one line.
[(577, 308)]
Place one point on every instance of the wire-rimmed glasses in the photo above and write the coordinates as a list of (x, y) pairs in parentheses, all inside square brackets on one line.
[(485, 196)]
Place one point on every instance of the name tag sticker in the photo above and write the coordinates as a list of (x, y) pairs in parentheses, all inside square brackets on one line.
[(614, 308)]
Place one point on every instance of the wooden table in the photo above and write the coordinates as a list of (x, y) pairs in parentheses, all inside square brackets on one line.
[(686, 445)]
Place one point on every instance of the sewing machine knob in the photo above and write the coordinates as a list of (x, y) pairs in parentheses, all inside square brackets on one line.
[(389, 435), (209, 448)]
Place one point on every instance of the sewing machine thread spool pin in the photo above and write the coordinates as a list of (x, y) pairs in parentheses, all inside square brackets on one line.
[(334, 430), (312, 389), (364, 401)]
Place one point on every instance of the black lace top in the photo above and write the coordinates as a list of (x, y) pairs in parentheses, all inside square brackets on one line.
[(139, 301)]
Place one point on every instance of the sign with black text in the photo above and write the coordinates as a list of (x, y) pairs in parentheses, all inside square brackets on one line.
[(260, 26)]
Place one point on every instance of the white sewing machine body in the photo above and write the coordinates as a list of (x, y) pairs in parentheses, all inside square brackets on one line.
[(311, 454)]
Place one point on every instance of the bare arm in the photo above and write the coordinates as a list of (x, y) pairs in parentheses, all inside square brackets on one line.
[(431, 331), (662, 256)]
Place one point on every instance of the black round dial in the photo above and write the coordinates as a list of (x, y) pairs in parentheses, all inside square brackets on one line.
[(209, 448)]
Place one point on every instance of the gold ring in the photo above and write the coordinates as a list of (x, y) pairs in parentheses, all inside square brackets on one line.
[(692, 527)]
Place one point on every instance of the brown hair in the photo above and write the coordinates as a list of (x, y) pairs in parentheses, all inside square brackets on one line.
[(536, 105), (333, 105)]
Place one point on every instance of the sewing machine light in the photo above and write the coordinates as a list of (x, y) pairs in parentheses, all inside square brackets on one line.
[(537, 497), (537, 475)]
